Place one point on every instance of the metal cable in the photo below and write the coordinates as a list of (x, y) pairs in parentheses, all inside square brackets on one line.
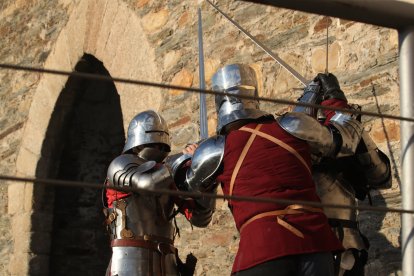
[(194, 90), (79, 184), (387, 137), (192, 194)]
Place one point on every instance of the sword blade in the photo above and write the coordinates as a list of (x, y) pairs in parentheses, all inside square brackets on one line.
[(282, 63), (203, 106)]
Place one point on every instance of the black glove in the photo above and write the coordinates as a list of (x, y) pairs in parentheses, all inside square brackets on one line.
[(330, 87)]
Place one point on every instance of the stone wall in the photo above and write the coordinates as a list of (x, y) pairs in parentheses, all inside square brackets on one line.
[(156, 41)]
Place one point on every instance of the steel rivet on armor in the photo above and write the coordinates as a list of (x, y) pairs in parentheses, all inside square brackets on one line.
[(127, 234), (112, 216)]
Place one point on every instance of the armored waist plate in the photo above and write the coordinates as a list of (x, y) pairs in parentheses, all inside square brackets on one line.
[(306, 128), (136, 261), (205, 164)]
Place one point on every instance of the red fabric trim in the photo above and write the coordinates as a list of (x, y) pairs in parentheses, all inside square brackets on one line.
[(333, 103), (112, 195)]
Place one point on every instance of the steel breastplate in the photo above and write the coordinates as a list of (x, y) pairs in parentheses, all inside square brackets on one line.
[(142, 215)]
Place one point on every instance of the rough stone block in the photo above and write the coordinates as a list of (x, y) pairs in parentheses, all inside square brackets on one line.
[(391, 131), (153, 22), (26, 162), (21, 223), (115, 38), (28, 197), (33, 138), (18, 264), (75, 33), (182, 78), (96, 11), (104, 28), (22, 242), (16, 198)]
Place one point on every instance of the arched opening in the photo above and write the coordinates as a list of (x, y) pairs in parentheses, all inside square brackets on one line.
[(84, 134)]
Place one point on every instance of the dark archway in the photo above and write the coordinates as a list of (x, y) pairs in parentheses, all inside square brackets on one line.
[(85, 133)]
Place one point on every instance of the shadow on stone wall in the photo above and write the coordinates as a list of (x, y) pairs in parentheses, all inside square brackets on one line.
[(84, 134), (384, 256)]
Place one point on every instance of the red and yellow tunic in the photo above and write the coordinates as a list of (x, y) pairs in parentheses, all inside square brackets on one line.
[(272, 171)]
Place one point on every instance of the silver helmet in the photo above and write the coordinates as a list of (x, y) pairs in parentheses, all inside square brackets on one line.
[(237, 79), (148, 136)]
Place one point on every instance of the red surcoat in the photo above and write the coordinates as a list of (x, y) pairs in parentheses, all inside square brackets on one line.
[(271, 171)]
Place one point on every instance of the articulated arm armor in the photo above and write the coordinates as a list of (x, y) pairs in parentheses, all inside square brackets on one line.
[(374, 164), (340, 138), (129, 170), (200, 176)]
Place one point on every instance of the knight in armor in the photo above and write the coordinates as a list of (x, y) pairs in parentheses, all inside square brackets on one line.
[(346, 180), (255, 154), (140, 226)]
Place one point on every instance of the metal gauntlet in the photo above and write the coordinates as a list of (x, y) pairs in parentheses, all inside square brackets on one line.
[(129, 170)]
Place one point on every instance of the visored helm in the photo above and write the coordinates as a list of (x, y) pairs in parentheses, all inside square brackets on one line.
[(237, 79), (148, 136)]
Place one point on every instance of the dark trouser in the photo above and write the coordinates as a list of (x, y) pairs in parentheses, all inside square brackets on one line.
[(316, 264)]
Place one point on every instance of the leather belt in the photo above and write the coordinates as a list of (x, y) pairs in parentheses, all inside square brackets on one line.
[(289, 210)]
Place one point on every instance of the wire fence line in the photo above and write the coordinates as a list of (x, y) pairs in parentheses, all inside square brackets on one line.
[(195, 195), (97, 77)]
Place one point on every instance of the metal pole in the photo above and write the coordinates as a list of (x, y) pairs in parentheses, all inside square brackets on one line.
[(203, 106), (406, 61)]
